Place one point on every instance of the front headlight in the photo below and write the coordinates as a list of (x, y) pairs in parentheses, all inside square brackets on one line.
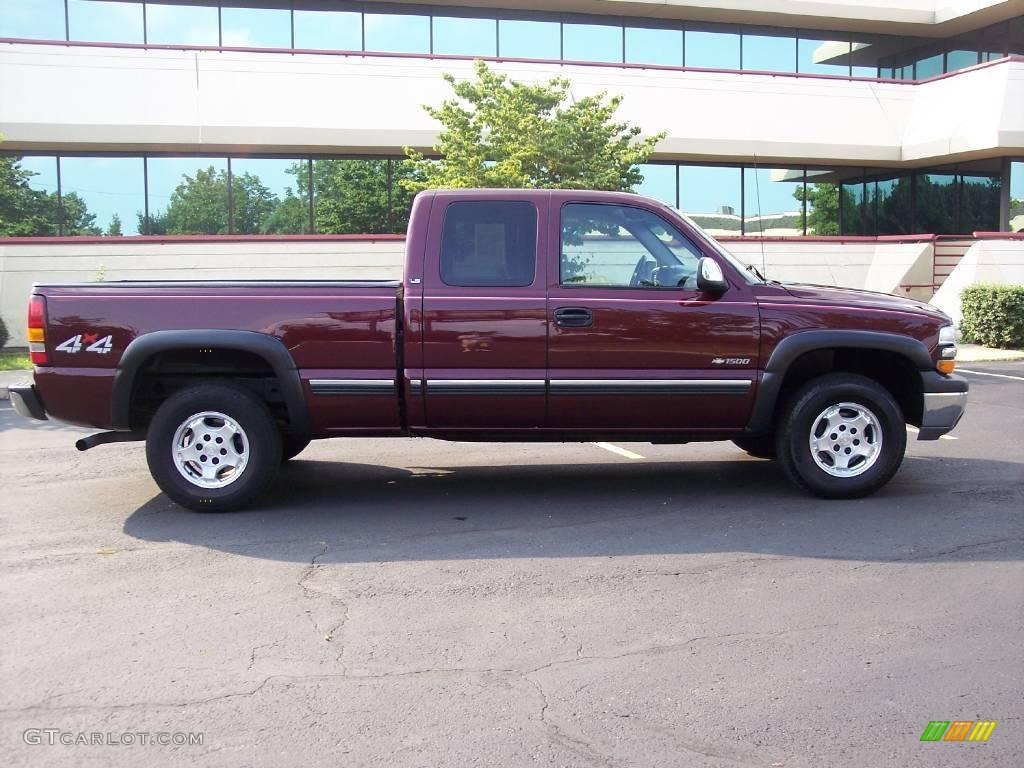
[(947, 350)]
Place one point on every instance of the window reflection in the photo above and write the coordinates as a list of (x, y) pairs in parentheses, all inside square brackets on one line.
[(979, 204), (529, 39), (102, 195), (935, 206), (328, 30), (769, 53), (28, 197), (256, 27), (1017, 197), (654, 46), (266, 198), (188, 196), (105, 22), (592, 42), (394, 33), (181, 25), (713, 50), (892, 205), (929, 66), (710, 195), (822, 56), (659, 182), (772, 201), (351, 196), (960, 59), (465, 37), (851, 203), (821, 207), (38, 20)]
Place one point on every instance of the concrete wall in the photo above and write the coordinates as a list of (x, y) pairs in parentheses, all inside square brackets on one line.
[(232, 101), (988, 261)]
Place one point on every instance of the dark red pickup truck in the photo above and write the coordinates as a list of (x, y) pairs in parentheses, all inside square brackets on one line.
[(523, 315)]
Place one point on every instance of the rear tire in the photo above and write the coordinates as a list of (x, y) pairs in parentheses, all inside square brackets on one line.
[(760, 447), (841, 436), (213, 447)]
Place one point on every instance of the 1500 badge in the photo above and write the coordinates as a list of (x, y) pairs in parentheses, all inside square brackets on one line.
[(731, 361), (90, 342)]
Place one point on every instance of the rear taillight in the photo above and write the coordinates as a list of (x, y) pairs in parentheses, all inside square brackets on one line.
[(37, 331)]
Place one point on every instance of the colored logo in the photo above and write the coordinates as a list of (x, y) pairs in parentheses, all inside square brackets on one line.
[(958, 730)]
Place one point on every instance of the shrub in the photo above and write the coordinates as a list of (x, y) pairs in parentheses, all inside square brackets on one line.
[(4, 336), (993, 315)]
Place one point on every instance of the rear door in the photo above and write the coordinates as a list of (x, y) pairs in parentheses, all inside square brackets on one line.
[(634, 346), (484, 312)]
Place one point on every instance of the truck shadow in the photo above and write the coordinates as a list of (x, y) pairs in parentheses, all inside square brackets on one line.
[(936, 509)]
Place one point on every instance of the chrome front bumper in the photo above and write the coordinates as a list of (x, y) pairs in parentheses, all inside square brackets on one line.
[(945, 399), (26, 402)]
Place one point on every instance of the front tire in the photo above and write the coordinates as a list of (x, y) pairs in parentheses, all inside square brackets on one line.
[(841, 436), (213, 447)]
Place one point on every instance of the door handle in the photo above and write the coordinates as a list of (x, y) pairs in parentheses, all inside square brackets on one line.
[(574, 317)]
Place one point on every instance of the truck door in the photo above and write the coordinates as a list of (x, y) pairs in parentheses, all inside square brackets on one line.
[(634, 346), (484, 312)]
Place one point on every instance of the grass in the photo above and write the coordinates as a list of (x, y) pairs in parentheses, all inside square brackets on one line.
[(14, 361)]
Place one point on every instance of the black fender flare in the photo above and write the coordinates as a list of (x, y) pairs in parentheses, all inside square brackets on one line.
[(268, 348), (792, 347)]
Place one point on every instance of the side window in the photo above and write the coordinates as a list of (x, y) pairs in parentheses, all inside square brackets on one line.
[(618, 246), (489, 244)]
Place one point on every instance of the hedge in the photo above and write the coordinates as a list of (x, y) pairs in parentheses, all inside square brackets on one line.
[(993, 315)]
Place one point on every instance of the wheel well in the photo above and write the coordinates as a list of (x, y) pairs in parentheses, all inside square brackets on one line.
[(164, 373), (890, 369)]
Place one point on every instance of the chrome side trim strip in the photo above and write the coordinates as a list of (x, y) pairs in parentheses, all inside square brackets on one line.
[(650, 386), (352, 386), (485, 387)]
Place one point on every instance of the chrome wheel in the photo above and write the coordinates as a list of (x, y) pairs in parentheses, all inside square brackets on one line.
[(210, 449), (845, 440)]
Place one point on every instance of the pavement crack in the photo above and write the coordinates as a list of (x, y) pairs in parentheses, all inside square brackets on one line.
[(332, 631)]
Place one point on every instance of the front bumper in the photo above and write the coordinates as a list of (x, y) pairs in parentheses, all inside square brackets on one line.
[(945, 399), (26, 402)]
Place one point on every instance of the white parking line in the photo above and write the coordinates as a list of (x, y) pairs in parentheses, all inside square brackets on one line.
[(986, 373), (911, 428), (620, 451)]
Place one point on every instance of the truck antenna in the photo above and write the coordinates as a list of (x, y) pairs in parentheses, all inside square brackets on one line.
[(760, 221)]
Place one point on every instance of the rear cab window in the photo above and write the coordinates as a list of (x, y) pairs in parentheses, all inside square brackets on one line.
[(488, 243)]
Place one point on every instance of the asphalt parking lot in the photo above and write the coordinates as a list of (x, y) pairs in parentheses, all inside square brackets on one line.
[(416, 603)]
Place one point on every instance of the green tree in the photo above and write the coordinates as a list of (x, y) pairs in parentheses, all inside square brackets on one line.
[(24, 211), (114, 229), (199, 205), (498, 132), (822, 203), (77, 219)]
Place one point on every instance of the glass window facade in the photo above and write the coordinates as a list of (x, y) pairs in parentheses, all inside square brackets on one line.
[(592, 42), (1016, 206), (712, 196), (111, 194), (523, 39), (105, 22), (769, 53), (773, 201), (465, 36), (102, 195), (36, 20), (712, 50), (264, 27), (182, 25), (394, 33), (342, 25), (646, 45), (339, 30)]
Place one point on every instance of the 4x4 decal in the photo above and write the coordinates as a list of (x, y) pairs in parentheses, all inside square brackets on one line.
[(90, 341)]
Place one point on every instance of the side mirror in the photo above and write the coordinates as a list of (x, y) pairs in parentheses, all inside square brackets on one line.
[(710, 278)]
